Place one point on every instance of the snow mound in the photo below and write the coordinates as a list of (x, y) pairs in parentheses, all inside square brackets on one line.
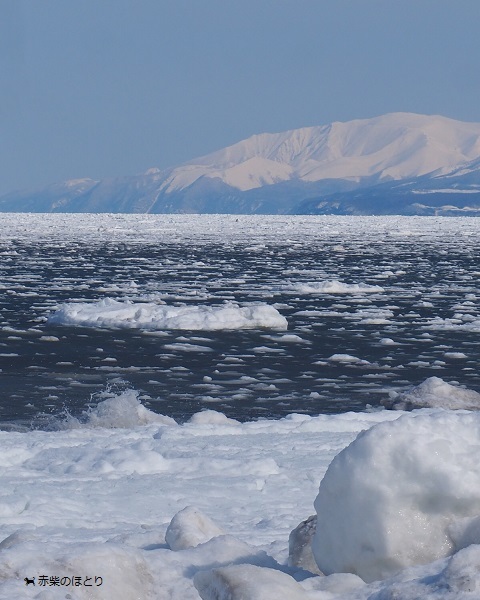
[(242, 582), (436, 393), (336, 287), (403, 493), (110, 313), (189, 528)]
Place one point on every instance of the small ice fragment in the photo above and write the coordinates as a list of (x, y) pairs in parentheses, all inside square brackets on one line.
[(189, 528)]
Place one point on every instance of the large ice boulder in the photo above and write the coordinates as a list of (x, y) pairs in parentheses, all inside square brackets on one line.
[(403, 493), (434, 392)]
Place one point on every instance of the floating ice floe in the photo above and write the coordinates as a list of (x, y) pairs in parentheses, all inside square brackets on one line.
[(347, 358), (335, 287), (462, 322), (110, 313), (435, 393), (403, 493)]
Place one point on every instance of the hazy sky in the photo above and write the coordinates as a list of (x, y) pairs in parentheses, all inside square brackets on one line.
[(100, 88)]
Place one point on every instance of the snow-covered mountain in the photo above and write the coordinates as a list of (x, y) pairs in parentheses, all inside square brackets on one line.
[(313, 169), (393, 146), (453, 193)]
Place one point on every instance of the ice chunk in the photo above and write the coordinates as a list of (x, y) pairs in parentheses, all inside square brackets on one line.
[(336, 287), (336, 584), (239, 582), (434, 392), (391, 499), (212, 417), (347, 358), (190, 527), (300, 545), (110, 313)]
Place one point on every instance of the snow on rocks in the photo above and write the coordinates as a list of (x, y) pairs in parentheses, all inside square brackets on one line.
[(110, 313), (190, 527), (435, 393), (397, 495)]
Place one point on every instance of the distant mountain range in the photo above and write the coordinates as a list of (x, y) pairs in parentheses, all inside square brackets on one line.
[(399, 163)]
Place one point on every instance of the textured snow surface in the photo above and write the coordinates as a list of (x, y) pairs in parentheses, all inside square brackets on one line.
[(156, 510), (111, 313), (403, 493)]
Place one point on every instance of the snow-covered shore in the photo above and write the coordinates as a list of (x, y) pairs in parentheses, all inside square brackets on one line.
[(94, 499)]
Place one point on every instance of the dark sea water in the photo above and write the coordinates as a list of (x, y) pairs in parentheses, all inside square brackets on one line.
[(342, 351)]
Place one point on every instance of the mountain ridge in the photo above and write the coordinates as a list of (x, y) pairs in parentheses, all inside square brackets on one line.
[(288, 172)]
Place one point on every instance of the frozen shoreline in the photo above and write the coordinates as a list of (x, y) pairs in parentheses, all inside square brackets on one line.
[(97, 497)]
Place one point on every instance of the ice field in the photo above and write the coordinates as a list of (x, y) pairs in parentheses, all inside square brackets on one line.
[(252, 316), (179, 393)]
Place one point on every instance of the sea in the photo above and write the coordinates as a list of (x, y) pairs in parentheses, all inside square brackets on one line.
[(374, 305)]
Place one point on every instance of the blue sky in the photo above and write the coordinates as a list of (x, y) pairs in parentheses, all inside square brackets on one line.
[(101, 88)]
